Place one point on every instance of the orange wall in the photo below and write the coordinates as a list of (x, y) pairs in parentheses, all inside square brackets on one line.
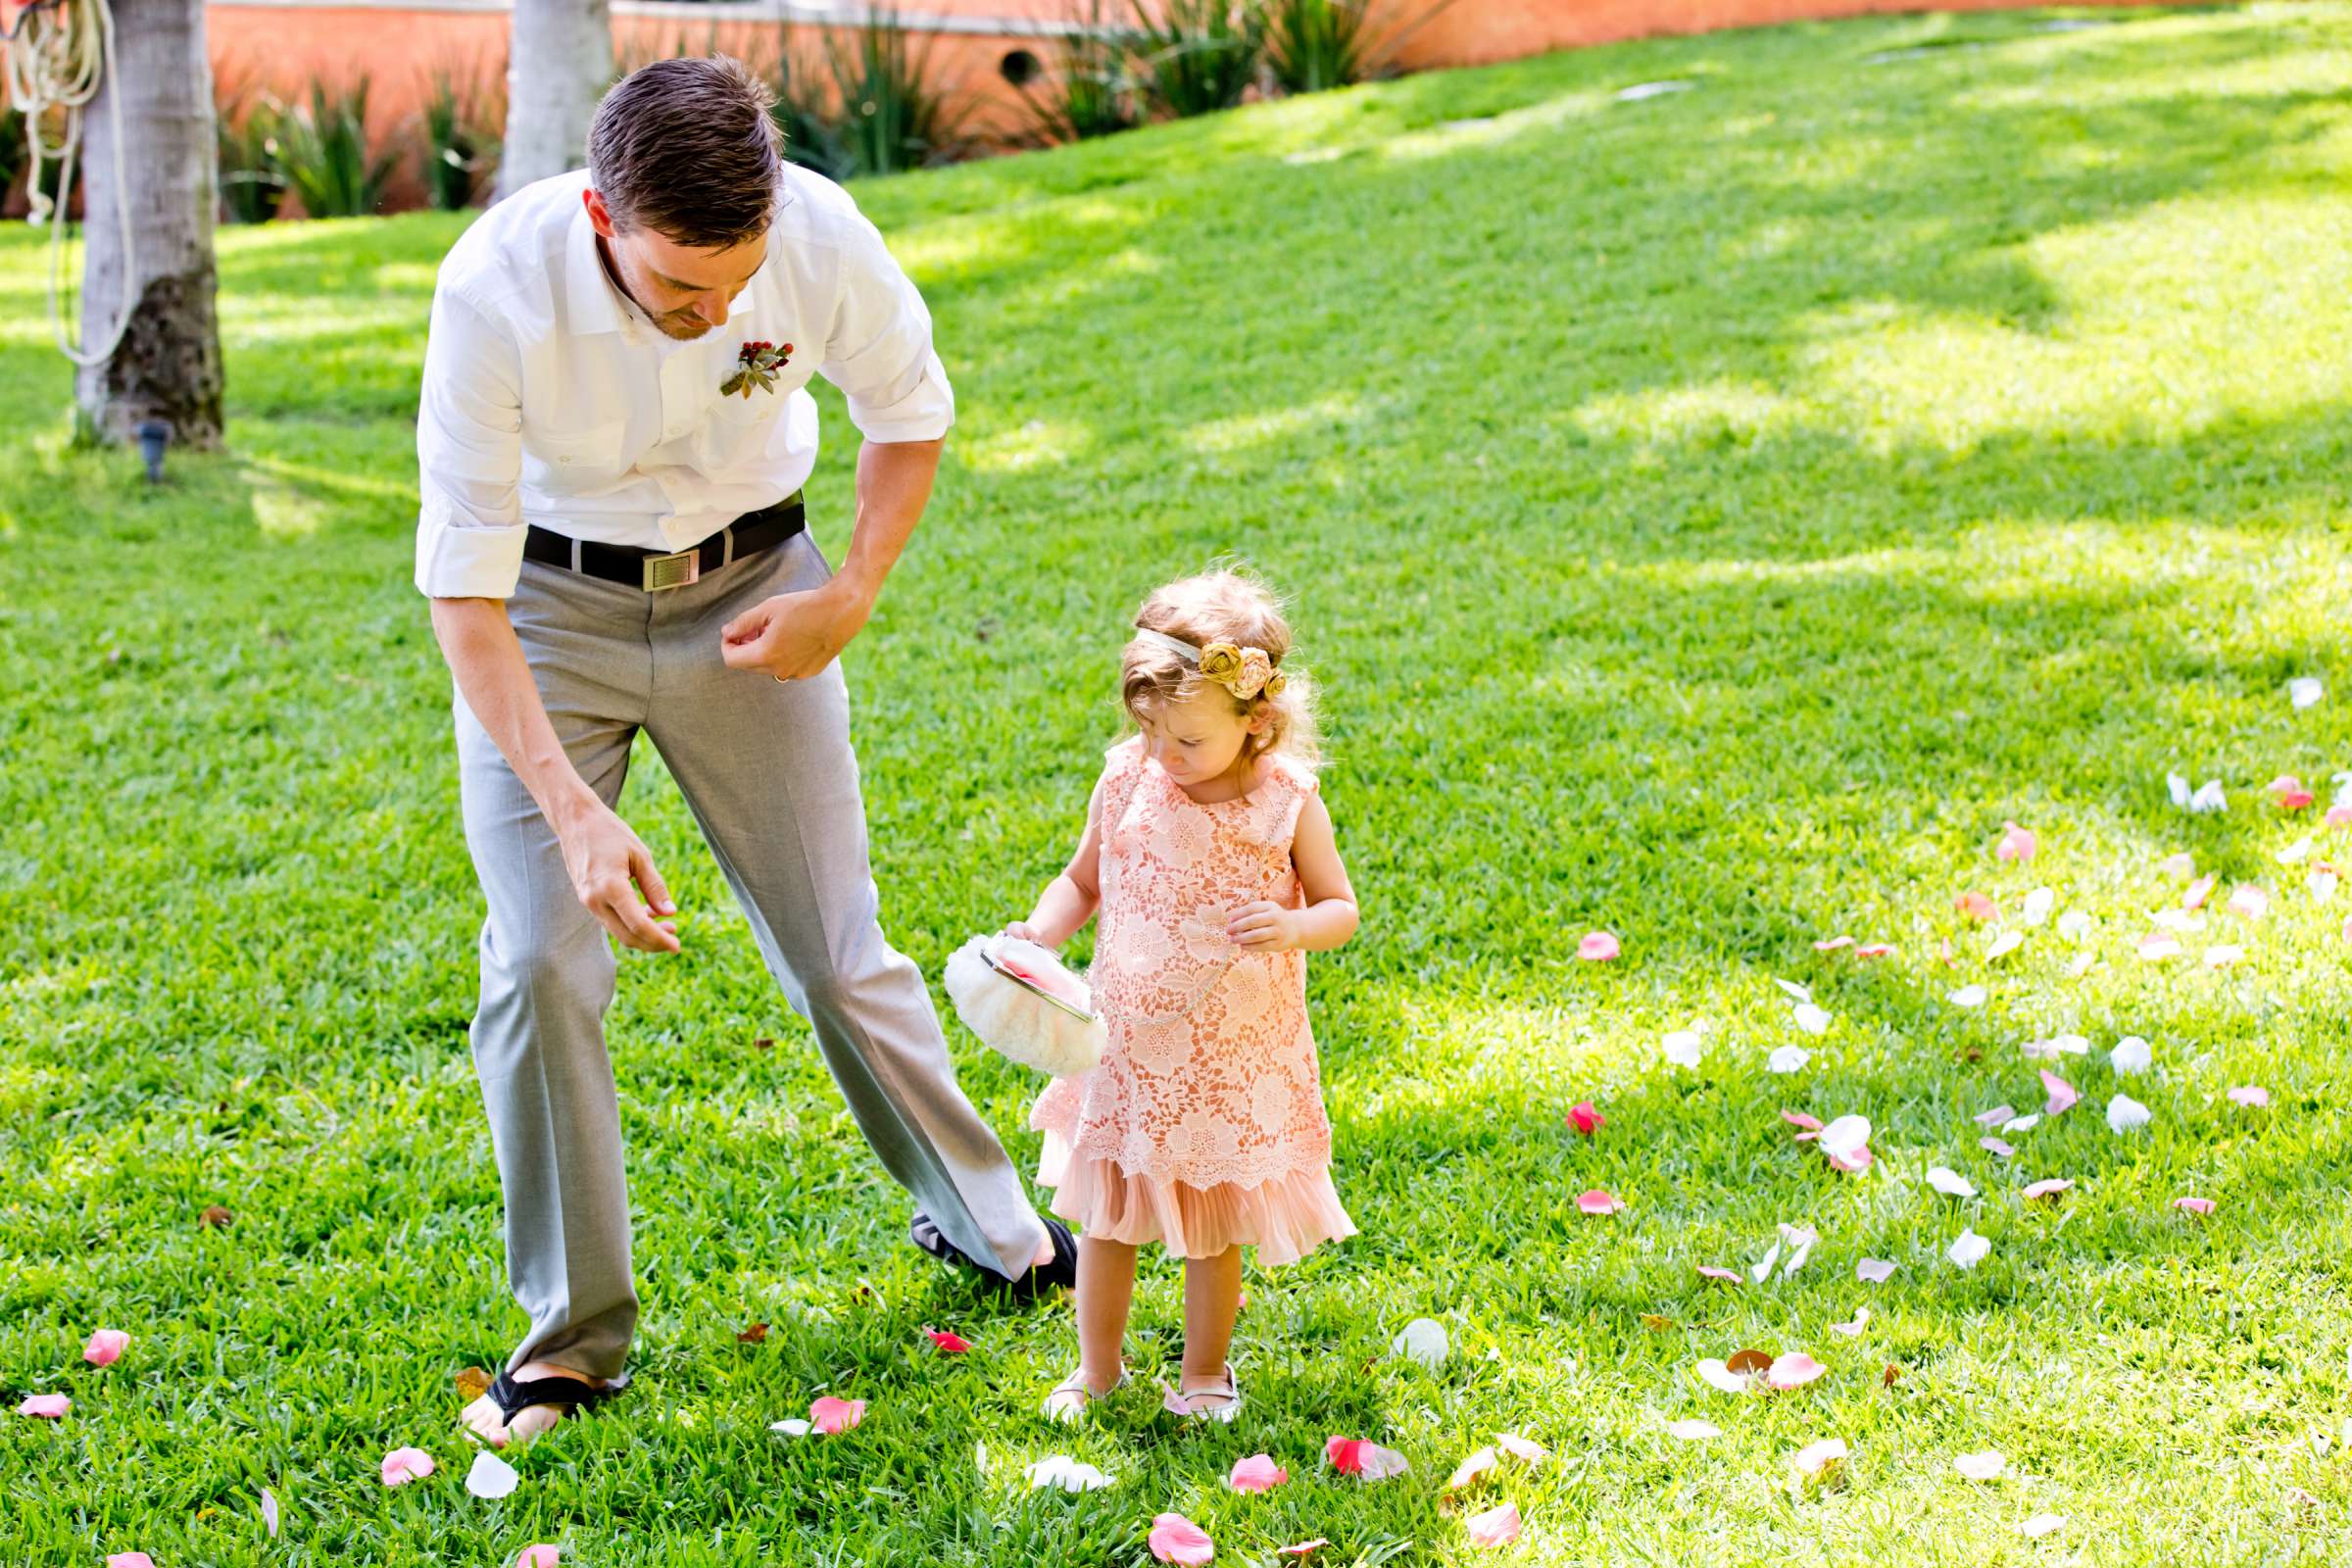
[(286, 47)]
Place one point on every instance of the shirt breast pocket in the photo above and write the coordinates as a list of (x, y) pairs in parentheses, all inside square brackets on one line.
[(567, 460)]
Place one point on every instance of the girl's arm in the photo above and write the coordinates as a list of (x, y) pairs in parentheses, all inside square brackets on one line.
[(1069, 900), (1330, 916)]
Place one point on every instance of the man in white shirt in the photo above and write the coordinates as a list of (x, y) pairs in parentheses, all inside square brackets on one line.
[(613, 437)]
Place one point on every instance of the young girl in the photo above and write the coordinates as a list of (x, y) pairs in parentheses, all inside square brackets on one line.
[(1212, 859)]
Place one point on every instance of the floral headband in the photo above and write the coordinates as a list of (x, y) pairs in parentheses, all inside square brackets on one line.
[(1247, 672)]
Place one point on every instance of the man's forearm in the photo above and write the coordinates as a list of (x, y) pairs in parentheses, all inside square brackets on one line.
[(894, 486), (495, 679)]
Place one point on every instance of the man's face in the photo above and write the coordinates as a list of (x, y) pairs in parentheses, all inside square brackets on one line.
[(686, 291)]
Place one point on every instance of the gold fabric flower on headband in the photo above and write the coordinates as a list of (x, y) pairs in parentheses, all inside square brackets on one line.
[(1247, 672)]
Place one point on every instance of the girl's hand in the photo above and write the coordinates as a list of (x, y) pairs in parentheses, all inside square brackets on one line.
[(1023, 931), (1263, 926)]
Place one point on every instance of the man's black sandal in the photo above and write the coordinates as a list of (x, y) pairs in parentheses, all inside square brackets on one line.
[(1062, 1271), (513, 1397)]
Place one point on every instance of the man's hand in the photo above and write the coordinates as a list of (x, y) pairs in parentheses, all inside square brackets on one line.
[(794, 636), (609, 866), (1263, 926)]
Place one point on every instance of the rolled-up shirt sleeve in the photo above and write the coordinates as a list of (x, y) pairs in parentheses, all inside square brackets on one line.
[(469, 530), (880, 351)]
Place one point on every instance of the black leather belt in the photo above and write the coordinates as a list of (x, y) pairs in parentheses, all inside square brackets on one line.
[(654, 571)]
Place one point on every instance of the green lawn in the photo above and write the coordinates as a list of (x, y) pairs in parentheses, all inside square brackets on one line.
[(1712, 515)]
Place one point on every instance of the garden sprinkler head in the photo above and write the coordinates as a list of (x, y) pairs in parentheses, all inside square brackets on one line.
[(154, 435)]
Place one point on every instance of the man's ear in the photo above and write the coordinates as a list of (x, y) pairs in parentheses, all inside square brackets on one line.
[(600, 216)]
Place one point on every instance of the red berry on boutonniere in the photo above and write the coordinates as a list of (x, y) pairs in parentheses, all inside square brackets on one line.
[(755, 366)]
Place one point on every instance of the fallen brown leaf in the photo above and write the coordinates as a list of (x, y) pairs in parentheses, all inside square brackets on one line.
[(756, 1334), (472, 1383), (214, 1216)]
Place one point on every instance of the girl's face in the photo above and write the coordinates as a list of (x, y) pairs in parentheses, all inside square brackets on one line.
[(1199, 740)]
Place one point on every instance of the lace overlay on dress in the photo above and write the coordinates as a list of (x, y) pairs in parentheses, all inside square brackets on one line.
[(1205, 1115)]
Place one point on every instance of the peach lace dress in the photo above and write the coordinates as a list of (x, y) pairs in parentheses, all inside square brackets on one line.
[(1203, 1125)]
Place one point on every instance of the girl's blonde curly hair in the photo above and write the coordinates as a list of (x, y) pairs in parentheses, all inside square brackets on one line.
[(1224, 605)]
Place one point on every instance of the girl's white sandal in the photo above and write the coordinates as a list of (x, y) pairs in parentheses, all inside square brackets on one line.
[(1071, 1396), (1184, 1406)]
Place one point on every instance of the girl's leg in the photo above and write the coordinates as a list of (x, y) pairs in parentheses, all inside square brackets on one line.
[(1213, 1300), (1106, 1292)]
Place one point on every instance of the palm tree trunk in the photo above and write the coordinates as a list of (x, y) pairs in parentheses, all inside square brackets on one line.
[(559, 61), (168, 364)]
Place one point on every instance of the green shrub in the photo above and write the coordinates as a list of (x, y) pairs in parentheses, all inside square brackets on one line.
[(1198, 56), (323, 153), (464, 119)]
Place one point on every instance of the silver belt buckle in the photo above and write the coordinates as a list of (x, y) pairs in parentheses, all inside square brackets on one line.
[(672, 572)]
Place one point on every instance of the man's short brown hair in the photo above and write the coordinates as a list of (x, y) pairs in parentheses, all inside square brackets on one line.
[(688, 149)]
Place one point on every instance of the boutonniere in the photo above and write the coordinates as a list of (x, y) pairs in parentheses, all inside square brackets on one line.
[(755, 366)]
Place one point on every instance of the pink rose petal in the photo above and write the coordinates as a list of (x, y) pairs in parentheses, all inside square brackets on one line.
[(1585, 1118), (1861, 1159), (2248, 903), (1302, 1547), (2339, 817), (1995, 1116), (1995, 1147), (2062, 1093), (540, 1555), (1597, 1202), (1833, 943), (1496, 1527), (1793, 1370), (1728, 1276), (829, 1415), (1347, 1456), (1519, 1447), (106, 1348), (1850, 1330), (1874, 1272), (2158, 945), (2290, 793), (1597, 947), (949, 1342), (1798, 1119), (2194, 1206), (1257, 1473), (2223, 955), (1819, 1458), (128, 1559), (1693, 1430), (1176, 1539), (1975, 906), (1470, 1469), (2250, 1096), (2198, 892), (1358, 1456), (2017, 843), (2049, 1189), (51, 1405), (1874, 950), (404, 1465)]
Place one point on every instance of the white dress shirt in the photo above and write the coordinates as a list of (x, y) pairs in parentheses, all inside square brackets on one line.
[(551, 399)]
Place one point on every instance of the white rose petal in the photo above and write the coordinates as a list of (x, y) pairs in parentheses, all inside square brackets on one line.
[(1952, 1183), (1423, 1339), (1844, 1136), (1787, 1058), (2131, 1056), (2038, 905), (1068, 1474), (2125, 1114), (2303, 691), (1968, 1250), (1968, 997), (1682, 1047), (1811, 1019), (491, 1476)]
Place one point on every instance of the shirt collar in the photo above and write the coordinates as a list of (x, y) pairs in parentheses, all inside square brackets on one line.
[(597, 306)]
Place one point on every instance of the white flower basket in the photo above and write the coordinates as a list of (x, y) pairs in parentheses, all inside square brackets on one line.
[(1024, 1006)]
